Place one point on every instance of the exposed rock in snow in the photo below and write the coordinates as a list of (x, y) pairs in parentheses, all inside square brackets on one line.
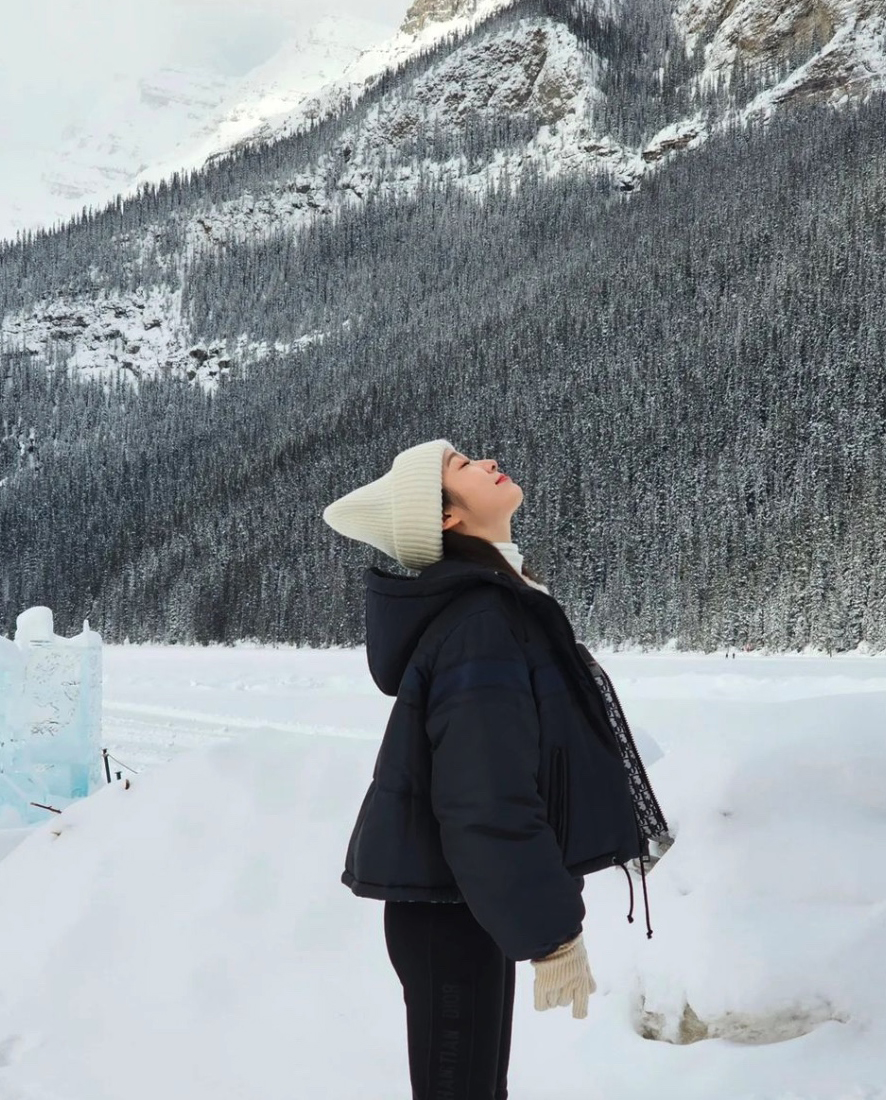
[(424, 12), (138, 333), (508, 72), (775, 1026), (846, 41), (680, 135)]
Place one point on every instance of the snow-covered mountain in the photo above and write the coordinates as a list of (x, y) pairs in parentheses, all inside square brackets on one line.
[(845, 41), (144, 125), (427, 23), (300, 66), (566, 73)]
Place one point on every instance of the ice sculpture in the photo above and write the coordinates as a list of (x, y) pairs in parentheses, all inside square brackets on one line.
[(50, 717), (12, 727)]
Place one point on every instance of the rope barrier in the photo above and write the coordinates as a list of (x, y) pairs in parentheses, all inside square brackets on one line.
[(120, 762)]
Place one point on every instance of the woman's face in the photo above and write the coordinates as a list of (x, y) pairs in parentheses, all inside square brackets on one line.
[(488, 497)]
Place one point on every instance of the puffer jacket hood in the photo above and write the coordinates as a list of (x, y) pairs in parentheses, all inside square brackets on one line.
[(399, 609)]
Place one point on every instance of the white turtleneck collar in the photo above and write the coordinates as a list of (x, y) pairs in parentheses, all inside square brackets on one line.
[(511, 553)]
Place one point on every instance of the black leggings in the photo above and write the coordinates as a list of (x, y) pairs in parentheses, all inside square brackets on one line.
[(459, 992)]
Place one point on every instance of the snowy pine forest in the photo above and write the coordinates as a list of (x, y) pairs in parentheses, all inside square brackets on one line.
[(685, 368)]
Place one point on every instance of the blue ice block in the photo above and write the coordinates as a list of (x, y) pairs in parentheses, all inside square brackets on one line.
[(50, 722)]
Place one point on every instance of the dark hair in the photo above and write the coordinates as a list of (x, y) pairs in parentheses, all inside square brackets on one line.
[(477, 549)]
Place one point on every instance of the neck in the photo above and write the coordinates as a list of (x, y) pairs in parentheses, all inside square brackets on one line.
[(499, 534)]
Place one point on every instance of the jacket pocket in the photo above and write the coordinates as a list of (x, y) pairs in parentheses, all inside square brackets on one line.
[(559, 795)]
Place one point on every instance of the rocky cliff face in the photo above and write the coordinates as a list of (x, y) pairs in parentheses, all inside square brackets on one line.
[(137, 334), (424, 12), (533, 71), (839, 45)]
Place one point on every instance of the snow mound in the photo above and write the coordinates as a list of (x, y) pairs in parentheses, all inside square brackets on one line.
[(773, 898)]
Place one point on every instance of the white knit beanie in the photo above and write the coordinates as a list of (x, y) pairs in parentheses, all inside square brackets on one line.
[(401, 512)]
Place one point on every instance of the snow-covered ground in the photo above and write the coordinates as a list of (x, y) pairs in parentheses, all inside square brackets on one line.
[(189, 936)]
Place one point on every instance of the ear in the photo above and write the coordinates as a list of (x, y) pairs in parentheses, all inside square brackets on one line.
[(449, 520)]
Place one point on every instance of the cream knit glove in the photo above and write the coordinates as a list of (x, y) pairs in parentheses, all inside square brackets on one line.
[(564, 976)]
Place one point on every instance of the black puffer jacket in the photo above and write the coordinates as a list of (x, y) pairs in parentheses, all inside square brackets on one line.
[(497, 781)]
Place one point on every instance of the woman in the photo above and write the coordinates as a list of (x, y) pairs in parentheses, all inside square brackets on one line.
[(499, 782)]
